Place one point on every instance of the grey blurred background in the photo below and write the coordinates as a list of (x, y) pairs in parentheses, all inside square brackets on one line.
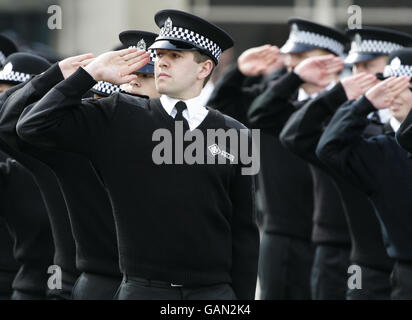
[(94, 25)]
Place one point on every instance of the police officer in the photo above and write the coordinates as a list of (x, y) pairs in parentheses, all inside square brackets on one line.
[(378, 166), (19, 68), (23, 212), (200, 247), (312, 53)]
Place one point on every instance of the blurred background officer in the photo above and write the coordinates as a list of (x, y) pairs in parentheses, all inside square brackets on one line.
[(378, 165), (370, 48), (19, 68), (308, 51), (22, 208), (7, 47)]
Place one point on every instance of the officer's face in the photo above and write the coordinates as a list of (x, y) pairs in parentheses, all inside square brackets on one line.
[(143, 85), (373, 66), (177, 74), (4, 87), (402, 104), (293, 59)]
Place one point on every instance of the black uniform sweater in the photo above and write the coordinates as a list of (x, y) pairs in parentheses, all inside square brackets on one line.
[(301, 134), (187, 224), (22, 208), (88, 204), (378, 166)]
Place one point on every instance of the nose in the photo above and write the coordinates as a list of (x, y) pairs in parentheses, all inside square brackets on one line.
[(163, 61)]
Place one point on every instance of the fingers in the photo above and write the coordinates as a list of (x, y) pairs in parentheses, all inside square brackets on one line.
[(128, 78), (80, 58), (335, 69), (137, 64), (367, 82), (324, 59), (125, 52), (145, 57), (398, 85), (82, 63), (133, 55)]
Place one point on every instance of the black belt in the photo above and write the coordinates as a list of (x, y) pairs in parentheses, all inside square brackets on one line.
[(152, 283)]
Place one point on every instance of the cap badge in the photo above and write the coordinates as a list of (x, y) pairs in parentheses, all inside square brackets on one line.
[(356, 43), (395, 63), (294, 30), (167, 28), (8, 68), (141, 45)]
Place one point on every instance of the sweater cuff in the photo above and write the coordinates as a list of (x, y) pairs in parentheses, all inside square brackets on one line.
[(236, 75), (336, 97), (48, 79), (363, 106), (287, 84), (77, 84)]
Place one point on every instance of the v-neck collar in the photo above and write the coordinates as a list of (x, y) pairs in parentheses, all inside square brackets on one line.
[(205, 124)]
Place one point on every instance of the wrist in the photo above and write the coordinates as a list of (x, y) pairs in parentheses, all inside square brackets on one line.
[(94, 71)]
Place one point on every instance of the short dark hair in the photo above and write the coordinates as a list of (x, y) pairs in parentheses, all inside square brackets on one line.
[(199, 57)]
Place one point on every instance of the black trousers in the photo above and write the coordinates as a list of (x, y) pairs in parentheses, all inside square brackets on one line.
[(375, 285), (401, 281), (65, 293), (285, 265), (140, 289), (330, 273), (90, 286), (20, 295), (6, 280)]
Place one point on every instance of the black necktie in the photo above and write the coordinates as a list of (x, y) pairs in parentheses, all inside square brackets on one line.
[(180, 106)]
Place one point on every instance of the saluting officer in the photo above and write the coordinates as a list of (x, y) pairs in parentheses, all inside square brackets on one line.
[(313, 63), (378, 166), (19, 68), (185, 231)]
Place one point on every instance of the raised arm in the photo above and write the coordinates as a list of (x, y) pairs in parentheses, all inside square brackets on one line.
[(303, 130), (273, 107), (342, 147), (229, 95), (33, 91), (61, 120)]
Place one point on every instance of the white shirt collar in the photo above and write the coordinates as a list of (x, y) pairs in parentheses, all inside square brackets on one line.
[(195, 112), (395, 124), (302, 95)]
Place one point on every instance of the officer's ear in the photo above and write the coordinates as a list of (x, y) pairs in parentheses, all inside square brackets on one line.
[(206, 64)]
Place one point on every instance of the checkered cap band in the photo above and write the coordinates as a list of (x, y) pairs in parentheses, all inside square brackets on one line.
[(317, 40), (106, 87), (14, 76), (2, 58), (178, 33), (403, 70), (374, 46), (151, 51)]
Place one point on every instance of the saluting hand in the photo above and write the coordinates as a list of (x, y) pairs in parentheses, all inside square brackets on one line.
[(358, 84), (383, 94), (255, 61), (116, 66), (70, 65), (319, 70)]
